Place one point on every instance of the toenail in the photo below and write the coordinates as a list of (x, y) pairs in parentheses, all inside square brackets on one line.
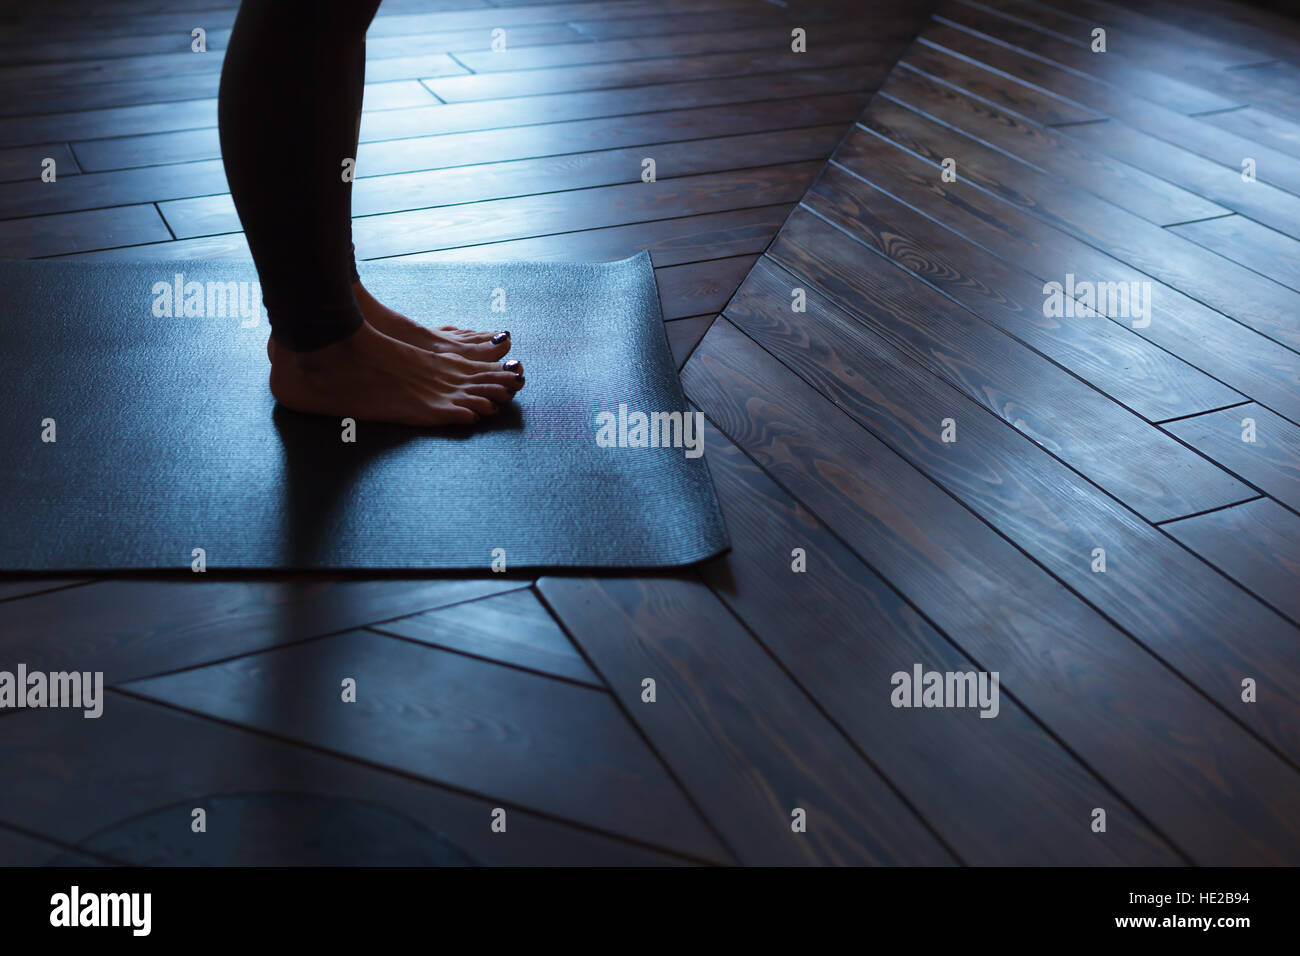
[(520, 378), (512, 366), (500, 337)]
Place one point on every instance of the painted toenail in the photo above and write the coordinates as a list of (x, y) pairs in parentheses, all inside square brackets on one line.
[(500, 337), (512, 366), (520, 378)]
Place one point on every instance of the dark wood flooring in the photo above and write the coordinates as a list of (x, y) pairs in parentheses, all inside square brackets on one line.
[(1165, 437)]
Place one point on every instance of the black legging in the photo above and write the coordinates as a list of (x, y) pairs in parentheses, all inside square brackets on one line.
[(289, 114)]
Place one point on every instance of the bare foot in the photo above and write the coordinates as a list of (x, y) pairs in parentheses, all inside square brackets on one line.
[(484, 346), (374, 377)]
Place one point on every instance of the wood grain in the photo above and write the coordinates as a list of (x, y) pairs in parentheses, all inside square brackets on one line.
[(1111, 702), (1111, 356), (511, 628), (134, 628), (1232, 353), (1034, 502), (744, 742), (1270, 462), (455, 720), (1018, 803), (143, 757), (1257, 544), (1252, 300)]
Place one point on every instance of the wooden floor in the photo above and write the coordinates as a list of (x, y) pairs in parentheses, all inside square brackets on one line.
[(919, 461)]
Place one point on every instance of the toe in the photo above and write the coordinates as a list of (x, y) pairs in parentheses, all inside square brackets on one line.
[(497, 393), (475, 403), (513, 381), (448, 412)]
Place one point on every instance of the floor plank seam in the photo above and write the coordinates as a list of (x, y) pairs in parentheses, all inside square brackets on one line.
[(379, 631), (966, 654), (1013, 264), (1294, 765), (664, 764), (1047, 221), (426, 781)]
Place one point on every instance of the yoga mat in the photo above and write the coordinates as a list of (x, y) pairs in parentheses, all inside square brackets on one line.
[(167, 439)]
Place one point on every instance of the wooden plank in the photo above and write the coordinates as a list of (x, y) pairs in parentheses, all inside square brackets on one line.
[(135, 628), (728, 19), (1256, 247), (1088, 88), (669, 241), (1100, 440), (81, 231), (154, 148), (1019, 803), (13, 588), (1232, 353), (999, 93), (1158, 742), (428, 229), (1242, 23), (768, 38), (74, 778), (1111, 357), (429, 189), (946, 88), (147, 148), (121, 187), (747, 745), (44, 99), (175, 23), (392, 24), (641, 72), (136, 7), (1236, 292), (454, 226), (1257, 544), (49, 49), (180, 22), (159, 117), (1271, 462), (546, 745), (562, 122), (87, 42), (1148, 84), (25, 162), (1022, 492), (1141, 36), (685, 334), (511, 628), (1209, 62), (696, 288), (1260, 126), (583, 135), (229, 246), (1258, 200), (162, 66)]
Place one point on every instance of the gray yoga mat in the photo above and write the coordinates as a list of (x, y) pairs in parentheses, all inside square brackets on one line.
[(167, 440)]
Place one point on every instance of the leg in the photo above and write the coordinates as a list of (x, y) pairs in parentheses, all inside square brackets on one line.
[(290, 87), (291, 90)]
